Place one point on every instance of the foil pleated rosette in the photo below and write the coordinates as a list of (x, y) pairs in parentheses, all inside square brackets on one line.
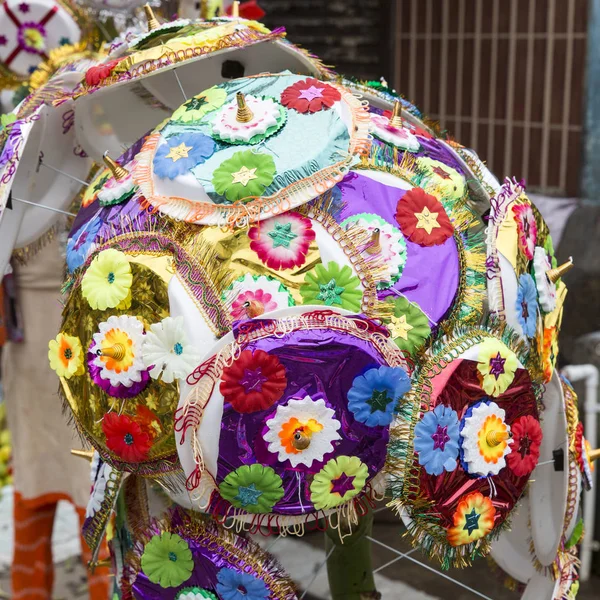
[(460, 462), (287, 420), (184, 556)]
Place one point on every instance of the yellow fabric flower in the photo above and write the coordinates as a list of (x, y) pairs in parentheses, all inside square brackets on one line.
[(107, 282), (497, 366), (66, 355)]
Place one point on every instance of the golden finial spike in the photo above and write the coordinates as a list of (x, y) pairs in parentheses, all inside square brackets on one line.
[(244, 114), (235, 10), (555, 274), (494, 438), (119, 172), (87, 454), (116, 352), (396, 118), (594, 454), (100, 564), (253, 309), (151, 18), (375, 246)]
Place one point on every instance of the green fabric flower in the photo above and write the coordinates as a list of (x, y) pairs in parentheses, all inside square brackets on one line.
[(195, 593), (167, 560), (338, 481), (195, 108), (255, 488), (332, 286), (244, 174), (408, 325), (549, 248)]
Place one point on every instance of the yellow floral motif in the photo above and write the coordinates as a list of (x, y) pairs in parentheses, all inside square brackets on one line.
[(497, 366), (66, 356), (181, 151), (399, 327), (427, 220), (107, 282)]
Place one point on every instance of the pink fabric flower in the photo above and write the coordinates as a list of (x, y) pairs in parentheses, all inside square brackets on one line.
[(259, 300), (527, 228), (282, 242)]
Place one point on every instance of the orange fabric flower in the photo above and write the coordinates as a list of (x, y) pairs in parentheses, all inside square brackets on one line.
[(473, 519), (289, 429)]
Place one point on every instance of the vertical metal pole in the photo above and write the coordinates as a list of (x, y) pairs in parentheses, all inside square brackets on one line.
[(590, 174)]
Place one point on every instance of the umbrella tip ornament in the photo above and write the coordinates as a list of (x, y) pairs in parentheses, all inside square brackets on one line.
[(495, 438), (374, 246), (100, 564), (594, 455), (244, 114), (396, 118), (151, 18), (555, 274), (235, 10), (87, 454), (119, 172)]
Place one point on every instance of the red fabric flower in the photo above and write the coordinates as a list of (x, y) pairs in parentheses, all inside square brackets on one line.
[(525, 453), (255, 381), (148, 421), (249, 10), (422, 218), (125, 437), (412, 128), (310, 95), (94, 75)]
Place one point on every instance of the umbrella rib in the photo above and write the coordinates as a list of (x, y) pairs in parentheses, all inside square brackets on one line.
[(180, 86), (50, 208), (63, 173)]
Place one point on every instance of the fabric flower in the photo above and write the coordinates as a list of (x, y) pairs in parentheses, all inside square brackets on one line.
[(549, 249), (255, 381), (497, 366), (282, 242), (97, 74), (374, 396), (125, 437), (332, 286), (526, 227), (310, 95), (397, 136), (408, 325), (66, 356), (148, 421), (195, 108), (91, 192), (422, 218), (302, 431), (195, 593), (167, 352), (244, 175), (107, 281), (436, 440), (582, 455), (237, 585), (549, 352), (80, 244), (447, 180), (117, 191), (181, 153), (546, 289), (526, 306), (268, 117), (473, 519), (340, 480), (255, 488), (117, 350), (384, 243), (167, 560), (485, 439), (253, 295), (527, 438), (98, 490)]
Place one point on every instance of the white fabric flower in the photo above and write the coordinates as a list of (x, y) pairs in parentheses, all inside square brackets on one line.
[(481, 457), (94, 467), (399, 137), (264, 293), (168, 352), (113, 190), (545, 288), (265, 112), (124, 332), (314, 421), (98, 491)]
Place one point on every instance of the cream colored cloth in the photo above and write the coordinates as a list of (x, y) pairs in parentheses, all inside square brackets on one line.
[(42, 438)]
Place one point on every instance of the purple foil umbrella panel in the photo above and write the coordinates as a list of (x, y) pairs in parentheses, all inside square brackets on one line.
[(187, 553)]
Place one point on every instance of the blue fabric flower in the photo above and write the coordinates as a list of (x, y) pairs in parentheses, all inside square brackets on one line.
[(182, 153), (436, 440), (234, 585), (527, 306), (80, 243), (374, 395)]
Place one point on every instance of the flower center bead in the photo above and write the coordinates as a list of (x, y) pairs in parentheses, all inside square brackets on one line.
[(172, 557), (282, 235), (524, 447), (343, 484), (128, 439), (440, 438), (242, 590), (471, 522), (253, 380), (178, 349), (524, 309), (68, 354), (497, 365), (330, 293), (248, 495), (378, 401), (110, 277)]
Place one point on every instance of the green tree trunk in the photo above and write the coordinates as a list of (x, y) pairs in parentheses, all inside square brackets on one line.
[(350, 567)]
